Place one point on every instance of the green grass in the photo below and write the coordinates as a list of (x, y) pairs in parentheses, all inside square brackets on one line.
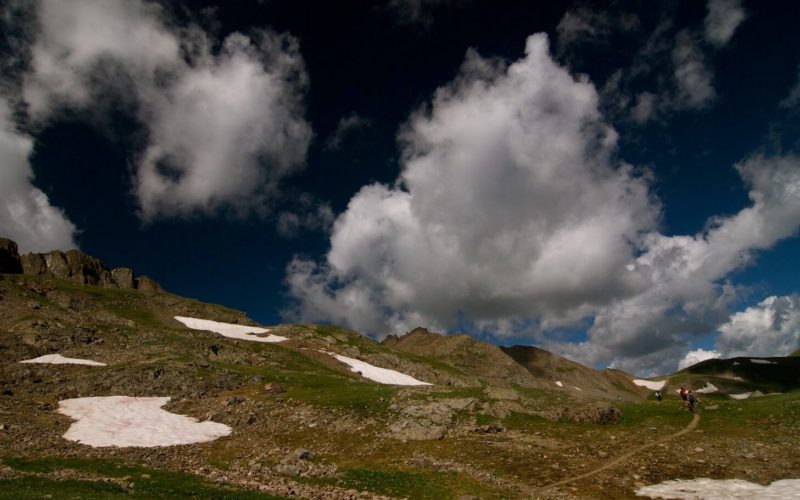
[(417, 484), (750, 416), (525, 422), (144, 482), (619, 385), (38, 487), (321, 386), (362, 397), (669, 412), (456, 392), (142, 317)]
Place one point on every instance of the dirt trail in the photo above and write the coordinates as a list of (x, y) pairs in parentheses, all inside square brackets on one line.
[(625, 456)]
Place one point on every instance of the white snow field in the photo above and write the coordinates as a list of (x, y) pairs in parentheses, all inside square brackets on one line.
[(558, 383), (708, 389), (743, 395), (231, 330), (377, 374), (763, 362), (721, 489), (134, 421), (655, 385), (57, 359)]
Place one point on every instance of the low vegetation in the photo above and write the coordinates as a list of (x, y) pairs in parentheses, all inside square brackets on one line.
[(471, 433)]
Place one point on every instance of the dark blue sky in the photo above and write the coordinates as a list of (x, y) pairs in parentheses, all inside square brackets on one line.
[(379, 63)]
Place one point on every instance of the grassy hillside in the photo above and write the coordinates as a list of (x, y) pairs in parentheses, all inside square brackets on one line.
[(492, 425), (574, 377), (738, 375)]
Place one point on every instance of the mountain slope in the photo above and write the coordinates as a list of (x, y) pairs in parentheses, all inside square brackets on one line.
[(472, 358), (304, 424), (573, 376), (742, 375)]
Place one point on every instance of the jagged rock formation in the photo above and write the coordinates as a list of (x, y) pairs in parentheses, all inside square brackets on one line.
[(9, 257), (73, 265)]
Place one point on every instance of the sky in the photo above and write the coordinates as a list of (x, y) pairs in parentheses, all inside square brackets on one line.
[(616, 182)]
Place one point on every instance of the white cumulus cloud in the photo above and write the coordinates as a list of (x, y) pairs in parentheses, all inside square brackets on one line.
[(26, 215), (508, 205), (696, 356), (770, 328), (511, 217), (224, 126), (723, 17), (687, 292)]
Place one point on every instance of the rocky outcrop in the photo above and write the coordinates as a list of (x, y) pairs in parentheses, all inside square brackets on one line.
[(56, 263), (605, 414), (9, 257), (88, 270), (33, 263), (123, 277), (147, 284), (428, 420), (73, 265)]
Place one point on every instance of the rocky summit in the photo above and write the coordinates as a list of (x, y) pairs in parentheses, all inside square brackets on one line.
[(72, 265), (319, 411)]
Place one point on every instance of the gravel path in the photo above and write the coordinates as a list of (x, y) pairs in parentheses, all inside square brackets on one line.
[(625, 456)]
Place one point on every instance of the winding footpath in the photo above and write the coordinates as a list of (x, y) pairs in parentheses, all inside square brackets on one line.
[(625, 456)]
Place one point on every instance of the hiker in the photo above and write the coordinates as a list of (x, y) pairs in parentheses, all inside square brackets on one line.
[(683, 394), (658, 395), (691, 402)]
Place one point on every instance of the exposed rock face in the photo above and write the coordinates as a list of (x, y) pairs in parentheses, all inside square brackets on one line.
[(123, 277), (147, 284), (429, 420), (33, 263), (73, 265), (57, 264), (87, 269), (9, 257), (594, 415)]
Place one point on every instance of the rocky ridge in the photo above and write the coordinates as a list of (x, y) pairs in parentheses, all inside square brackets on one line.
[(73, 265)]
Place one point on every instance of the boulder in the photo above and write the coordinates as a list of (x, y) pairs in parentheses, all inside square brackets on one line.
[(9, 257), (147, 284), (33, 263), (123, 277), (57, 263), (274, 388), (87, 270)]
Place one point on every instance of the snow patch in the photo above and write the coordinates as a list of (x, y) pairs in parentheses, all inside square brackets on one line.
[(134, 421), (558, 383), (230, 330), (743, 395), (721, 489), (577, 388), (763, 362), (57, 359), (655, 385), (708, 389), (377, 374)]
